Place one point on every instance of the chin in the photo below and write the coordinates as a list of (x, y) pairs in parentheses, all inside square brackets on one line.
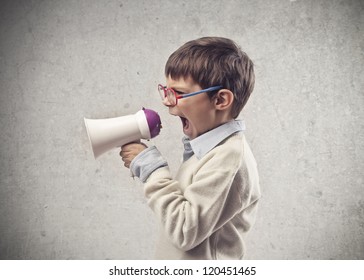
[(192, 135)]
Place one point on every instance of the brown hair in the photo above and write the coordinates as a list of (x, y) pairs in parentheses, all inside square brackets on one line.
[(214, 61)]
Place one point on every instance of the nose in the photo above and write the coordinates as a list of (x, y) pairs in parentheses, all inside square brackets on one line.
[(166, 102)]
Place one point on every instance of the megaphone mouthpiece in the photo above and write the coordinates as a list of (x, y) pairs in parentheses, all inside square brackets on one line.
[(154, 122)]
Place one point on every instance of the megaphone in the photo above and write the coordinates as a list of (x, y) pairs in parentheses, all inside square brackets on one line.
[(107, 134)]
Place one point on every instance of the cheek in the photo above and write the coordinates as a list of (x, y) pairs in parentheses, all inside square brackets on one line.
[(199, 117)]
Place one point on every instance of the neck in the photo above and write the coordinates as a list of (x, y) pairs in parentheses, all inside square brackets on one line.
[(222, 117)]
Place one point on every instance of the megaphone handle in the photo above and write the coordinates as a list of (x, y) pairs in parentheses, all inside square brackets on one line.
[(130, 151)]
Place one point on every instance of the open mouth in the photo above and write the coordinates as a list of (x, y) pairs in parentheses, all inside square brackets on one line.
[(185, 123)]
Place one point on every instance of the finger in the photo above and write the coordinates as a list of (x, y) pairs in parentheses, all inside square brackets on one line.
[(127, 146), (124, 153), (126, 162), (126, 158)]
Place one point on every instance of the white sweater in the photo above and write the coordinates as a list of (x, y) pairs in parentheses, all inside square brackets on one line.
[(206, 211)]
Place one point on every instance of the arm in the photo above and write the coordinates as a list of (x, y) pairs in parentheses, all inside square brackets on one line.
[(206, 205)]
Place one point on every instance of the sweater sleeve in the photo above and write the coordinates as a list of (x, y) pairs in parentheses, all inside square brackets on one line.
[(146, 162), (211, 200)]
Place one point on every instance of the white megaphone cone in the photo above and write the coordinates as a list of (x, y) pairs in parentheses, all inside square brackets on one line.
[(107, 134)]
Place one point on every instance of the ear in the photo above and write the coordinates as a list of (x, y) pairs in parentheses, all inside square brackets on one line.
[(224, 99)]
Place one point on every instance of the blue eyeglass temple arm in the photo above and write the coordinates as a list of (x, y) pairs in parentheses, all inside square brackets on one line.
[(200, 91)]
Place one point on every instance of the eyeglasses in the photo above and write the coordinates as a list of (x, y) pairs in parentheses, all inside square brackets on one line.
[(173, 97)]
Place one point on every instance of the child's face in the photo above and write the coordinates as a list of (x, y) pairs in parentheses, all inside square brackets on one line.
[(197, 113)]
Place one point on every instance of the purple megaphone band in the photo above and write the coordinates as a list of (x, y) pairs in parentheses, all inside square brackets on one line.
[(154, 122)]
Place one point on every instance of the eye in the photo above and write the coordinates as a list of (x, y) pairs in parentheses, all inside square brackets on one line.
[(179, 92)]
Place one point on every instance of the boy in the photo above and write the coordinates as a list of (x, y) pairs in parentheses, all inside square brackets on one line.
[(207, 209)]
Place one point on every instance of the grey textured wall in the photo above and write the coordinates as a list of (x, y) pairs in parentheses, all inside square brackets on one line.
[(61, 61)]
